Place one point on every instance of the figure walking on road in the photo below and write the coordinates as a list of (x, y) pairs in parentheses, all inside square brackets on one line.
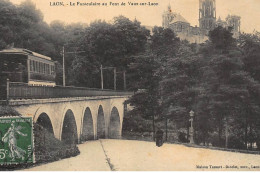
[(159, 137)]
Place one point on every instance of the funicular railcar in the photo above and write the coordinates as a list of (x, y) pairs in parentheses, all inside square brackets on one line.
[(25, 66)]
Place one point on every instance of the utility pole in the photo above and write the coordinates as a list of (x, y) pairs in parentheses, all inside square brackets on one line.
[(101, 71), (191, 128), (115, 72), (124, 80), (114, 78), (63, 59), (227, 134), (153, 126), (166, 119), (63, 65), (166, 125)]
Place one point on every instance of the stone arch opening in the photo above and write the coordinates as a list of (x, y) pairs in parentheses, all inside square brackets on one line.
[(45, 121), (100, 123), (114, 126), (88, 129), (69, 129)]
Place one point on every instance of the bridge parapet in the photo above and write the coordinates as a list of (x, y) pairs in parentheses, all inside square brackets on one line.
[(16, 91), (18, 102)]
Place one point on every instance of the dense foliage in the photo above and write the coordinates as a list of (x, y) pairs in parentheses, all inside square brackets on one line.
[(218, 80)]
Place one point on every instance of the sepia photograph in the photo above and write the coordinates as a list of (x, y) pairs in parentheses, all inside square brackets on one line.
[(129, 85)]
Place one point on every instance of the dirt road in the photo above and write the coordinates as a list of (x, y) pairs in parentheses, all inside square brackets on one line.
[(124, 155)]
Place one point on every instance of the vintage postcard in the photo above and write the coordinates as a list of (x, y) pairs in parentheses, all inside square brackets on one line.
[(130, 85)]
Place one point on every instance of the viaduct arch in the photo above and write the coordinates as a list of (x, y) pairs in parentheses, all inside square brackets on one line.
[(114, 126), (87, 126), (69, 128), (77, 121), (101, 123), (44, 121)]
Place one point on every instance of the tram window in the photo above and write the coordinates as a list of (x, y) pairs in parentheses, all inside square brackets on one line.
[(38, 66), (48, 69), (34, 66), (52, 70), (43, 68), (31, 65)]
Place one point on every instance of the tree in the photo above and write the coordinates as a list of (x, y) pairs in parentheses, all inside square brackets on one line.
[(179, 85), (146, 98), (221, 38), (250, 48), (8, 19), (229, 89), (109, 44), (249, 45), (145, 74), (164, 42)]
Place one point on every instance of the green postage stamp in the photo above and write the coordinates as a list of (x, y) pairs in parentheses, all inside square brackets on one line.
[(16, 146)]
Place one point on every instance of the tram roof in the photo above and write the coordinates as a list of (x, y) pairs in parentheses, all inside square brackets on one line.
[(24, 52)]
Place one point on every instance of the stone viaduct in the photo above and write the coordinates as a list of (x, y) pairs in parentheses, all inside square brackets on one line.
[(77, 119)]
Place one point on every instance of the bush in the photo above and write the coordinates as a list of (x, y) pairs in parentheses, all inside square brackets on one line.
[(182, 137), (236, 143), (214, 140), (48, 148)]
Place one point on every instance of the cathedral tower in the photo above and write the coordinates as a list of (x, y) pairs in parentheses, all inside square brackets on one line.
[(207, 14), (234, 22)]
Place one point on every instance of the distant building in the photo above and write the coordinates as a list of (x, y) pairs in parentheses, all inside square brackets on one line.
[(207, 22)]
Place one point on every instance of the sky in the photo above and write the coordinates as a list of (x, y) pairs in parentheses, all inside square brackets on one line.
[(148, 15)]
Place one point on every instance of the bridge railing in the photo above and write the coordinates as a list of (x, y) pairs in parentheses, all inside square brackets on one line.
[(17, 90)]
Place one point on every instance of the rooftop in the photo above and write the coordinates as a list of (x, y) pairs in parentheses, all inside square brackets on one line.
[(178, 18), (24, 52)]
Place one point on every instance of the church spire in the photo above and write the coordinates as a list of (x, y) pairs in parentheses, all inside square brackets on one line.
[(169, 8)]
